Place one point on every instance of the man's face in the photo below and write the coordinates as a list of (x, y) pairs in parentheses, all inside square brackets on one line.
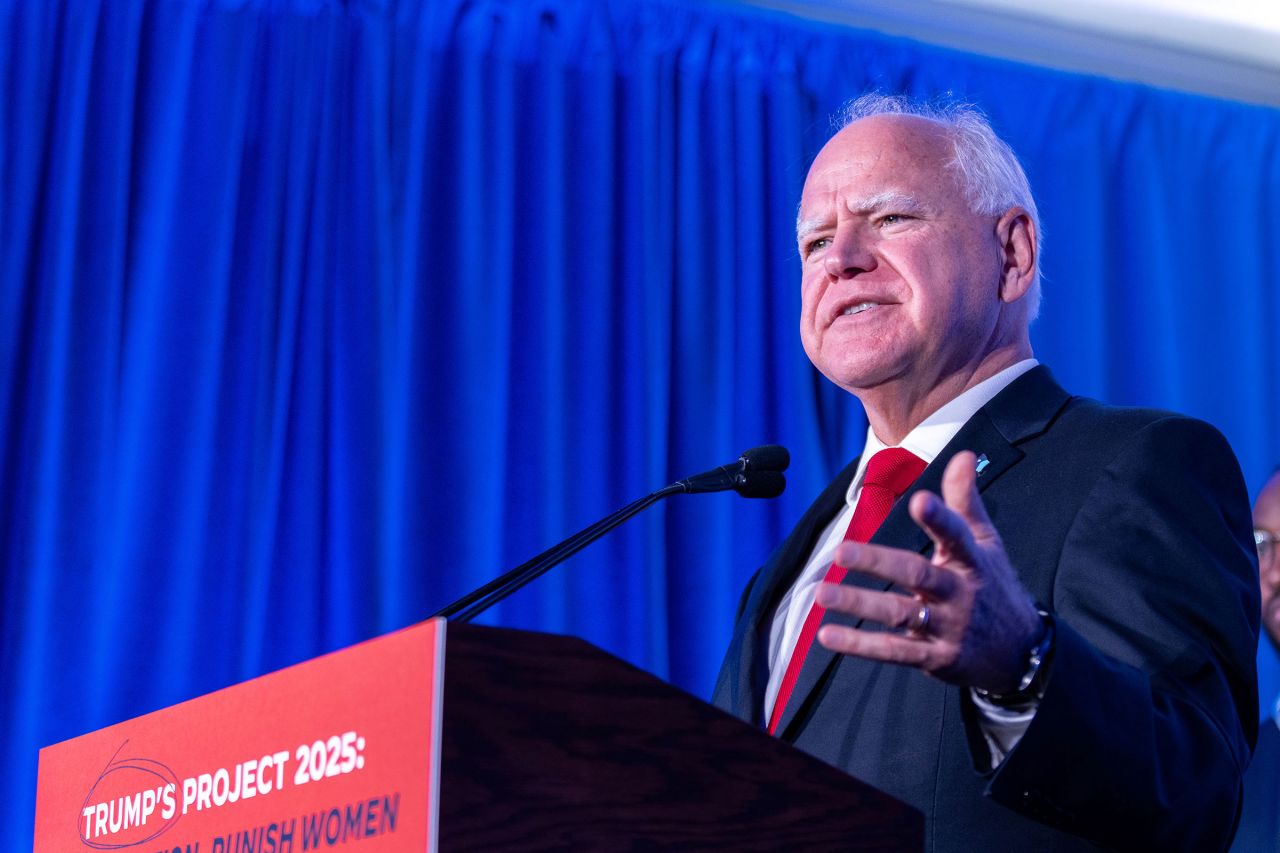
[(900, 278), (1266, 516)]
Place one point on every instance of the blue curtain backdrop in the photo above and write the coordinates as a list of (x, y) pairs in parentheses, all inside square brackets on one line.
[(316, 314)]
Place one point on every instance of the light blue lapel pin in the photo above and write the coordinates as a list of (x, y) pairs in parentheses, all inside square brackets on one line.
[(982, 464)]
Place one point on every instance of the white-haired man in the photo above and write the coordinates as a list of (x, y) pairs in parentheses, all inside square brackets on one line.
[(1030, 615), (1260, 818)]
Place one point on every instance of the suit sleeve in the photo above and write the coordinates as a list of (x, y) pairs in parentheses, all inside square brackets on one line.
[(1150, 710)]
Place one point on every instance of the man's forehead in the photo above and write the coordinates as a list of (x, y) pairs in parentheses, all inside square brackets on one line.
[(895, 131), (878, 161), (878, 146)]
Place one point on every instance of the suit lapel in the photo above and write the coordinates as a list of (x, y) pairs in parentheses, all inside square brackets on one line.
[(750, 653), (1024, 409)]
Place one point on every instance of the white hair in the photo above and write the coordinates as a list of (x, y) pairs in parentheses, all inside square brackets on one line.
[(985, 166)]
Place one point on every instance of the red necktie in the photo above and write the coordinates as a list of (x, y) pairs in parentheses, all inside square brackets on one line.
[(889, 474)]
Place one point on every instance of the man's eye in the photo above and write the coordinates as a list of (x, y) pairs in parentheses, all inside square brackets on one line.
[(893, 218), (814, 245)]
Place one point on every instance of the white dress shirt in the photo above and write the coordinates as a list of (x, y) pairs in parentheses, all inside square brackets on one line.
[(1002, 727)]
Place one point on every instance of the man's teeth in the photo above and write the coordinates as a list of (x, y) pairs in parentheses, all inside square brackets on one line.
[(859, 308)]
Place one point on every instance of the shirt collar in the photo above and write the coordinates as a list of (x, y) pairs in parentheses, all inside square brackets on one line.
[(931, 435)]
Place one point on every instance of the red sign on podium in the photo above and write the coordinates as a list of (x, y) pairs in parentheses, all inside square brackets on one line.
[(339, 749)]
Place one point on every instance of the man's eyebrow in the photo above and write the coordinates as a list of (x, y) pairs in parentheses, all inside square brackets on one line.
[(892, 199), (805, 227)]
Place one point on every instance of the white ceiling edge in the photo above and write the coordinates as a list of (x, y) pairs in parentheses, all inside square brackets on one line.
[(1241, 31), (1169, 48)]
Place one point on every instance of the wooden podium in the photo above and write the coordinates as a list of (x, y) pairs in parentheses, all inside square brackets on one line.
[(552, 744), (528, 742)]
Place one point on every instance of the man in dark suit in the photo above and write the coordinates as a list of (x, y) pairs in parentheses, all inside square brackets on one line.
[(1260, 820), (1048, 639)]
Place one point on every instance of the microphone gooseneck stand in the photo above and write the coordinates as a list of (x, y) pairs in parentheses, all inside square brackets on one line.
[(756, 474)]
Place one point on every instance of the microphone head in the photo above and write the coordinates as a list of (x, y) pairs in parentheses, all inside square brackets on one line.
[(767, 457), (760, 484)]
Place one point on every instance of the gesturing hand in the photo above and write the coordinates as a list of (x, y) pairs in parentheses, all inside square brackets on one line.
[(980, 620)]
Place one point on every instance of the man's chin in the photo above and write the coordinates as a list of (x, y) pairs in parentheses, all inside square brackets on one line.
[(863, 380)]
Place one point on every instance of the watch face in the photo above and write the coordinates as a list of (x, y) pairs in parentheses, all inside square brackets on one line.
[(1031, 686)]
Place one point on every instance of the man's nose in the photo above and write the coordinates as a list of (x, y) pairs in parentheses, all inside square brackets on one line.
[(848, 256)]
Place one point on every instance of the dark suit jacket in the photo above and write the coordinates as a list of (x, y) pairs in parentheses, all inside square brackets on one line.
[(1260, 821), (1133, 527)]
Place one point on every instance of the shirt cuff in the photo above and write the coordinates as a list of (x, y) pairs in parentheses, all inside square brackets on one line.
[(1002, 728)]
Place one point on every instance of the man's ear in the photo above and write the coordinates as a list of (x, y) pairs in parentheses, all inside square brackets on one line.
[(1016, 234)]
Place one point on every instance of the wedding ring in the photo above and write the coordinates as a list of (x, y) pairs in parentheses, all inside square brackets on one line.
[(919, 622)]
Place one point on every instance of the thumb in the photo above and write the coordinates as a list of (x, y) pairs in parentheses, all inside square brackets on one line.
[(960, 493)]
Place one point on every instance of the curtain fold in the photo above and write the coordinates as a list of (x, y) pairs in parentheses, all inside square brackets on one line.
[(315, 315)]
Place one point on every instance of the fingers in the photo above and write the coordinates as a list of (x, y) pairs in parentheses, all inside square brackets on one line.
[(877, 645), (969, 586), (906, 569), (887, 608)]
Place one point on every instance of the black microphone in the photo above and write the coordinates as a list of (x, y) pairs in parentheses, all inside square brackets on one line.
[(756, 474)]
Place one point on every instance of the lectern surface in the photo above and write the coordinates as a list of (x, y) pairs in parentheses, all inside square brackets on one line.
[(551, 744)]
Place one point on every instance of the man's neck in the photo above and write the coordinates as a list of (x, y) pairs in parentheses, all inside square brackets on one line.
[(893, 409)]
